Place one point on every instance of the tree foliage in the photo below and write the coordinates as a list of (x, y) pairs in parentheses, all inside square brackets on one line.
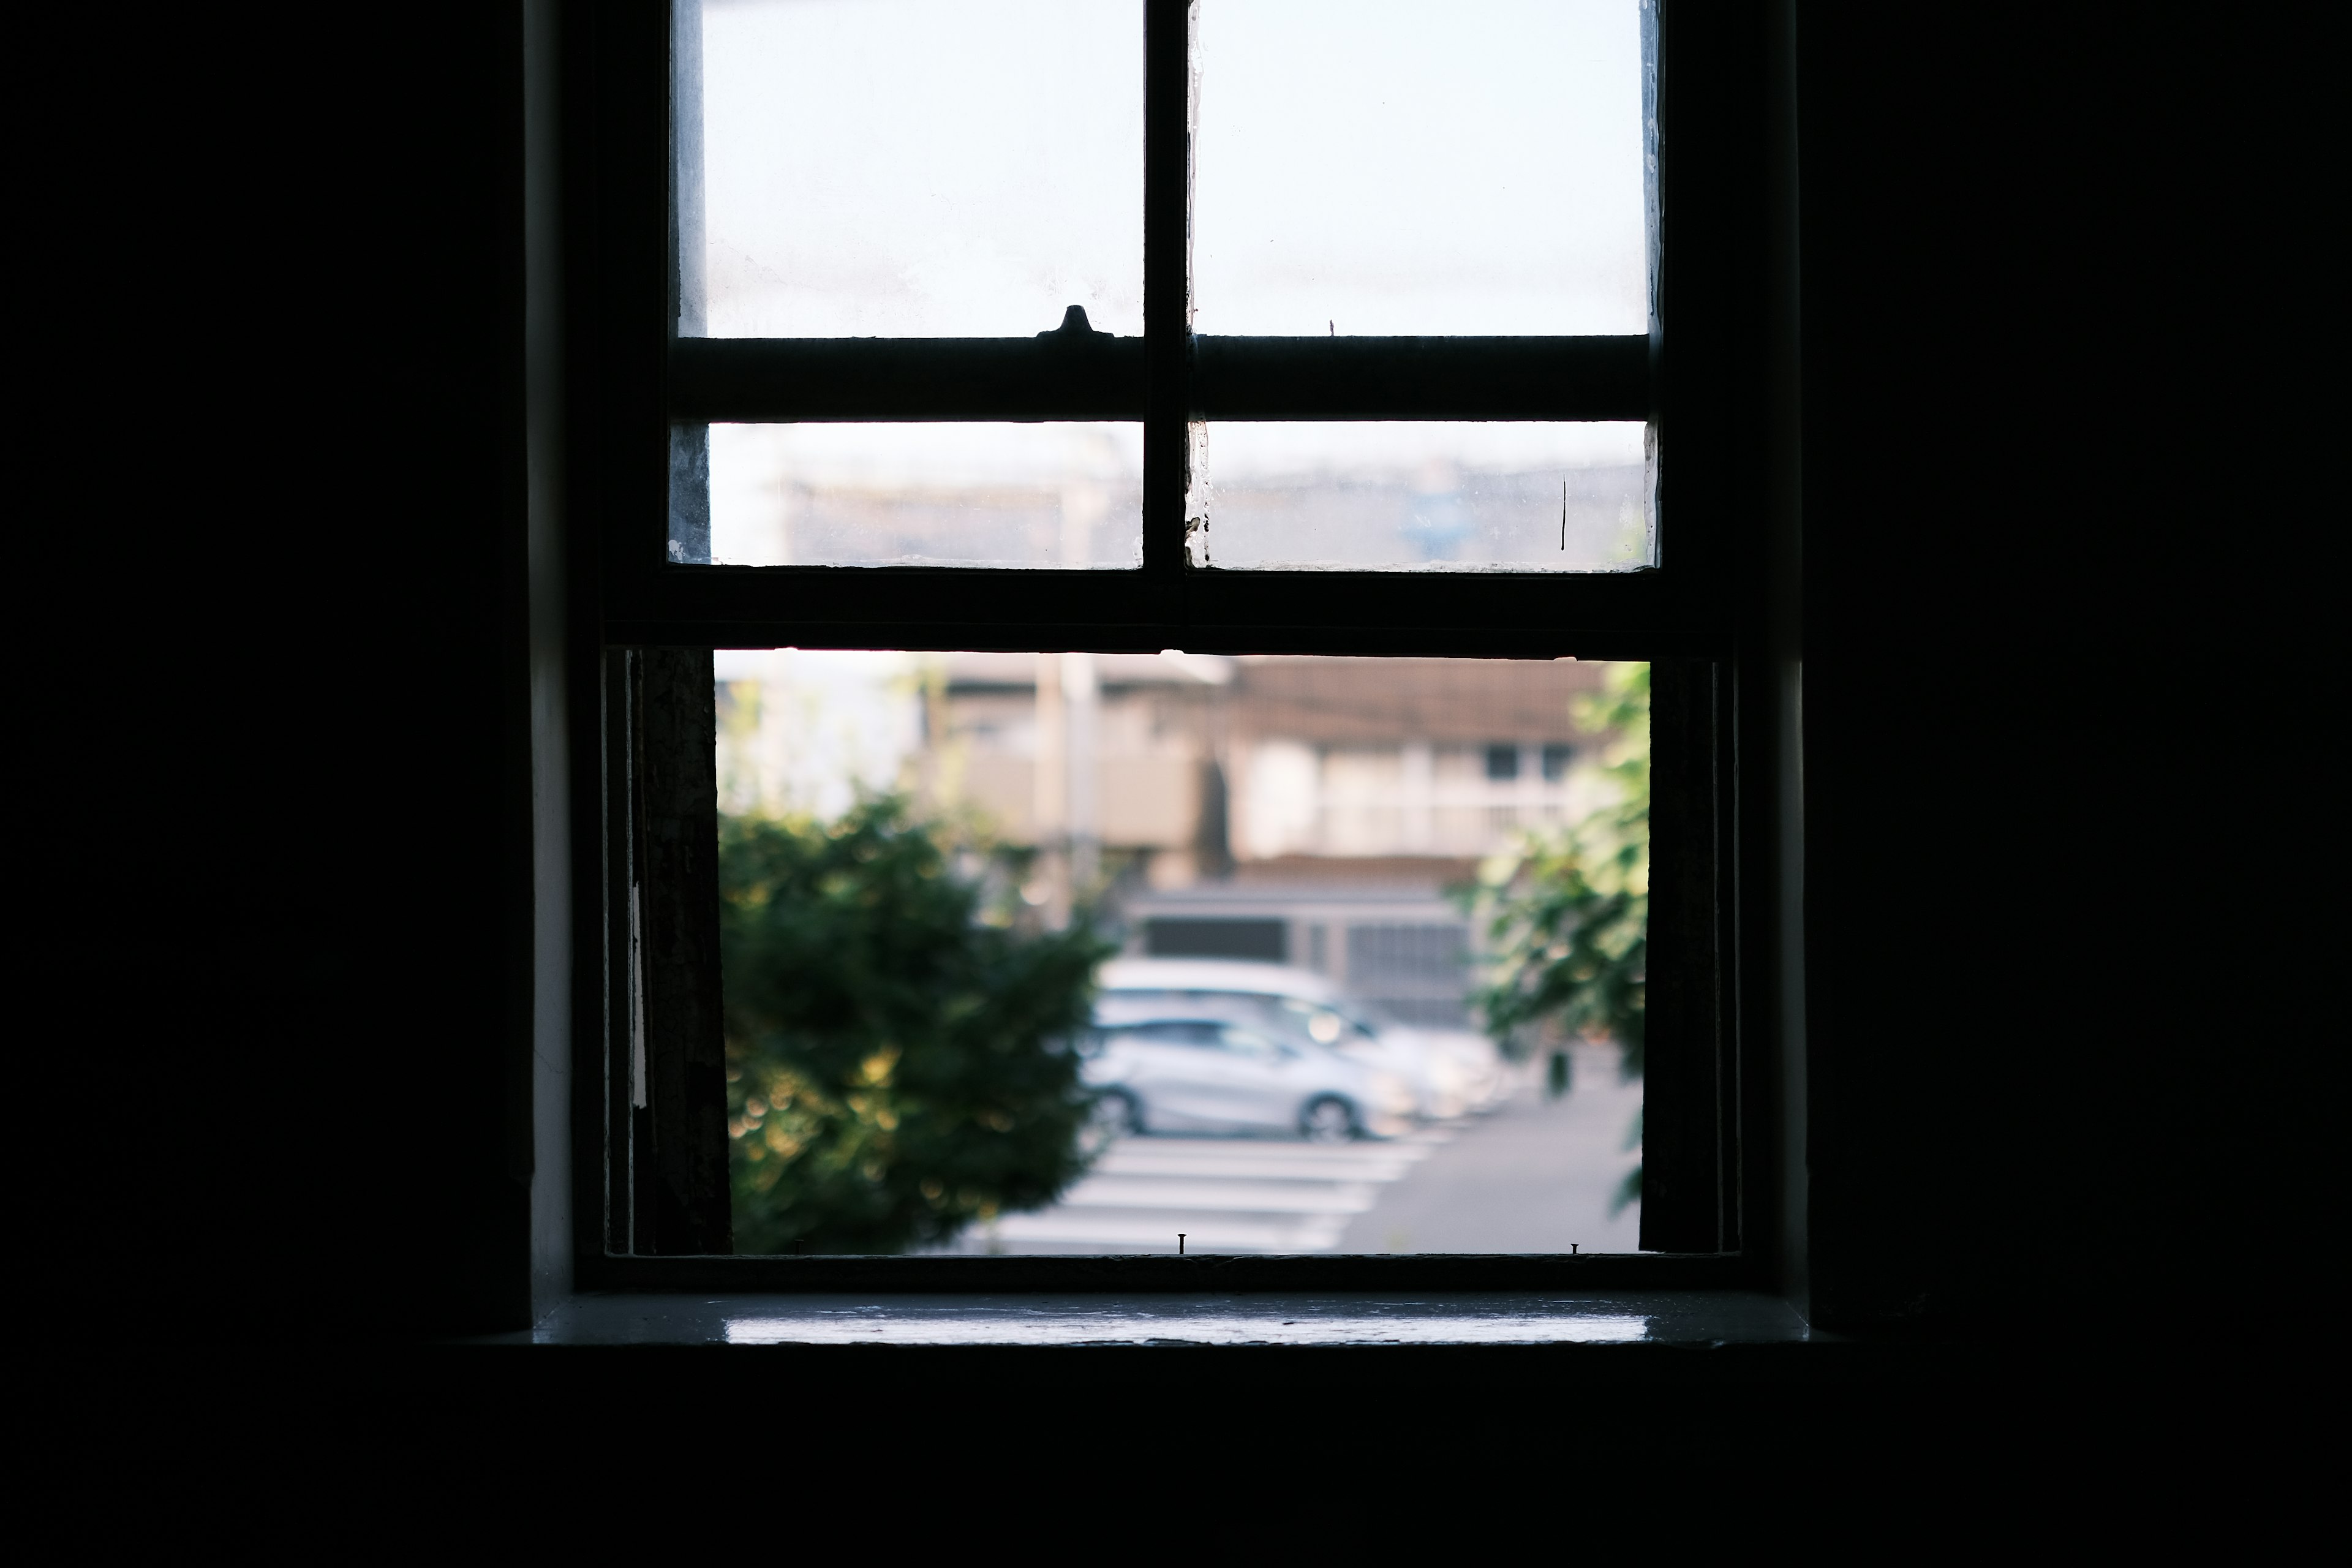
[(899, 1061), (1567, 912)]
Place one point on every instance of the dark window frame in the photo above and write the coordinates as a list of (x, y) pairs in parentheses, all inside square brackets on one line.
[(1697, 616)]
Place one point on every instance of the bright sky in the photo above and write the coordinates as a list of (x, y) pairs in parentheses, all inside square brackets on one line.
[(918, 168), (826, 725), (1294, 450), (1419, 166), (970, 168)]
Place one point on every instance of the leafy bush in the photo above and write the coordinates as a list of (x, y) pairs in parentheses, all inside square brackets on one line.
[(1568, 912), (898, 1065)]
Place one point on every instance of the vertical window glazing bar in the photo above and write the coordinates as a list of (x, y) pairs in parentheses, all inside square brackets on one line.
[(624, 998), (689, 445), (678, 887), (1653, 208), (686, 249), (1685, 1097), (1654, 224), (1167, 279)]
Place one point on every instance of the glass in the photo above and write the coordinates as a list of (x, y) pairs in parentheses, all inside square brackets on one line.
[(910, 168), (1285, 1053), (1406, 167), (1422, 496), (927, 495)]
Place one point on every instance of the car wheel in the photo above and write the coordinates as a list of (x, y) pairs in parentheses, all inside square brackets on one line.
[(1117, 1114), (1327, 1121)]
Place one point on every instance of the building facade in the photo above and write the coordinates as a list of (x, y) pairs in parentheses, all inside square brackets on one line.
[(1316, 812)]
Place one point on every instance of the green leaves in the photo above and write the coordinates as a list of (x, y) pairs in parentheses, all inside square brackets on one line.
[(1568, 912), (897, 1067)]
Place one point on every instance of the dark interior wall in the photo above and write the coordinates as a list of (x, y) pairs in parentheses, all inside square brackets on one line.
[(2041, 255), (445, 727), (299, 876), (2017, 234), (452, 732)]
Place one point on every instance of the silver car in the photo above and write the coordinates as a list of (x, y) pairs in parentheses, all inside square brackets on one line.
[(1209, 1074), (1452, 1072)]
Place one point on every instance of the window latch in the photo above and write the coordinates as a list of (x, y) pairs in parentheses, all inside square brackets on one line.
[(1075, 327)]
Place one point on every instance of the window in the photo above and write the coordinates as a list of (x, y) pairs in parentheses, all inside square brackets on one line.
[(960, 401), (1066, 796)]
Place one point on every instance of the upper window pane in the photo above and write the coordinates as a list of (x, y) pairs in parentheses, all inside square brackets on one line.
[(1062, 495), (1420, 166), (1426, 496), (910, 168)]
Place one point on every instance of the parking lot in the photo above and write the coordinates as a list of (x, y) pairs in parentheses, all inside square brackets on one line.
[(1534, 1175)]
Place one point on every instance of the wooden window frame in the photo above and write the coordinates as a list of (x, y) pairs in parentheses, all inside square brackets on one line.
[(1713, 1209)]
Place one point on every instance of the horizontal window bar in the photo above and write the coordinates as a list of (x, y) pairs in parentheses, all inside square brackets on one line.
[(1639, 614), (1421, 378), (1064, 376), (778, 380), (1422, 1272)]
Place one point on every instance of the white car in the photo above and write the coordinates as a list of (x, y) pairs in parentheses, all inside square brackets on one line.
[(1213, 1075), (1452, 1072)]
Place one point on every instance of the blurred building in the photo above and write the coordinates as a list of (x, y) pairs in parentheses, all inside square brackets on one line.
[(1294, 810), (1309, 811)]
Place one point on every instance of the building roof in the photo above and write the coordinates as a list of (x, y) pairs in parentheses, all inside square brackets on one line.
[(1379, 700)]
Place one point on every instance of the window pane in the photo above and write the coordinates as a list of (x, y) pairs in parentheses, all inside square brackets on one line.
[(1071, 952), (915, 168), (925, 495), (1415, 166), (1429, 496)]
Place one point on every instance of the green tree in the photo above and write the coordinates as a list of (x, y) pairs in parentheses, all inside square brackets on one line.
[(1567, 912), (898, 1062)]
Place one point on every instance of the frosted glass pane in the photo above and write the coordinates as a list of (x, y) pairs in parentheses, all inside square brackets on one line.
[(917, 168), (1426, 497), (927, 495), (1411, 166)]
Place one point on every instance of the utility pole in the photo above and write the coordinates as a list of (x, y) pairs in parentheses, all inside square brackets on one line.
[(1049, 886)]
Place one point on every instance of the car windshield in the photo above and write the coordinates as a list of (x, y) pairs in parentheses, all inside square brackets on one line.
[(1287, 1016), (1175, 1032), (1325, 1024)]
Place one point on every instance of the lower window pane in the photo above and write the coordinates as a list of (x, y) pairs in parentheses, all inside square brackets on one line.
[(1424, 497), (1063, 495), (1073, 952)]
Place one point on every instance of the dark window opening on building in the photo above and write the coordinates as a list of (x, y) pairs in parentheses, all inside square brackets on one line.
[(1263, 941)]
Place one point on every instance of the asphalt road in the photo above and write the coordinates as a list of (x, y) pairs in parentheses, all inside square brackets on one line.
[(1535, 1176)]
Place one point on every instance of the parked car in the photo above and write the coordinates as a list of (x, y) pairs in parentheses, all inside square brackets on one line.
[(1305, 1024), (1453, 1072), (1214, 1075)]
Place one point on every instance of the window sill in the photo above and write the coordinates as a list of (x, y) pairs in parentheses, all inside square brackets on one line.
[(1709, 1319)]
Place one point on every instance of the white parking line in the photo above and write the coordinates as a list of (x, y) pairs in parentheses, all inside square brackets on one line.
[(1116, 1231), (1249, 1197), (1226, 1194), (1255, 1169)]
